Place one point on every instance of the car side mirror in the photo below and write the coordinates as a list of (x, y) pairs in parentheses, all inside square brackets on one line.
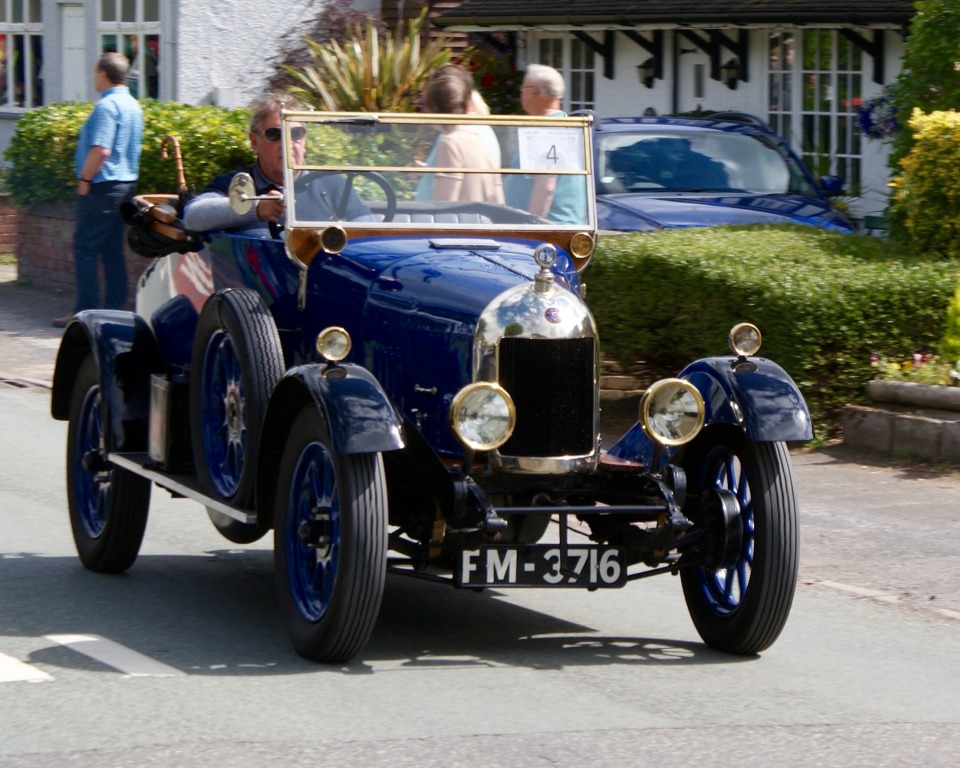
[(831, 185), (243, 194)]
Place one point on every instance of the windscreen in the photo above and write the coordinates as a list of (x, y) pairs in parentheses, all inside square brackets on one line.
[(438, 171), (697, 161)]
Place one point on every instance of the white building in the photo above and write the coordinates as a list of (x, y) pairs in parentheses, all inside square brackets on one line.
[(803, 66), (191, 51)]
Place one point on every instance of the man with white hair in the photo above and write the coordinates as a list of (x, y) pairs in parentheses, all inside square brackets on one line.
[(561, 200)]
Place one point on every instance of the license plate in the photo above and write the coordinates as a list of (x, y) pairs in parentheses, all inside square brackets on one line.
[(542, 566)]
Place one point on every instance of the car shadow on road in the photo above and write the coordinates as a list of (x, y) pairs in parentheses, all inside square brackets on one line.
[(216, 614)]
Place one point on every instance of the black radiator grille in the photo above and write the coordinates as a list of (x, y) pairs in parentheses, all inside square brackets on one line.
[(552, 385)]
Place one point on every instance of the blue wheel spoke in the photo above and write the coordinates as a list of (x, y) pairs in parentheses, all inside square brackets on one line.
[(313, 569), (724, 589)]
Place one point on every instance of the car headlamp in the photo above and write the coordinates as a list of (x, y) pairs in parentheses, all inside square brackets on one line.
[(582, 245), (483, 416), (333, 344), (744, 339), (672, 411)]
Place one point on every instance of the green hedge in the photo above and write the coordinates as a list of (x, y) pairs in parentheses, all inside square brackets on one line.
[(823, 302), (41, 154)]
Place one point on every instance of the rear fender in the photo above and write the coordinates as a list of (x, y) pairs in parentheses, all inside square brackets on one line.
[(127, 354)]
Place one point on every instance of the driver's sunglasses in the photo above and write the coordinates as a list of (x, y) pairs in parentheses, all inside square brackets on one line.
[(273, 134)]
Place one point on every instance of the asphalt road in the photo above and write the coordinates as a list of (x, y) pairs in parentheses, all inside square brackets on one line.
[(863, 675)]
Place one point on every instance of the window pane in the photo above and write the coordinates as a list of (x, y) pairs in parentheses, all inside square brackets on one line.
[(17, 12), (108, 43), (108, 10), (36, 11), (824, 93), (36, 62), (826, 48), (843, 52), (19, 73), (809, 51), (4, 72), (128, 10), (151, 10), (151, 58), (132, 52)]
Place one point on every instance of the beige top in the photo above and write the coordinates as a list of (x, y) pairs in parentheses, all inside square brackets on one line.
[(464, 147)]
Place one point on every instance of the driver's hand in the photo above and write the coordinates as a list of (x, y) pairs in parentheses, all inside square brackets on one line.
[(271, 210)]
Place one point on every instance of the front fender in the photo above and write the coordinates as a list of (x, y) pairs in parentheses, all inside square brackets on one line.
[(764, 402), (354, 406), (127, 354), (758, 396)]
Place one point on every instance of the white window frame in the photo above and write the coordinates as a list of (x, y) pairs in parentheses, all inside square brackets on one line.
[(30, 28), (139, 29), (819, 97), (577, 62)]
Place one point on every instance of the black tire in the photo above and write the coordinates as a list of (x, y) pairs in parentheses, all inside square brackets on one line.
[(108, 504), (742, 610), (330, 542), (237, 361)]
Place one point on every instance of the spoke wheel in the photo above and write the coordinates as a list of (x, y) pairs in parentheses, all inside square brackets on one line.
[(743, 608), (237, 361), (330, 542), (108, 504)]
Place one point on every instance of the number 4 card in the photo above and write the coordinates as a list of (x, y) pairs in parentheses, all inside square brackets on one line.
[(551, 149)]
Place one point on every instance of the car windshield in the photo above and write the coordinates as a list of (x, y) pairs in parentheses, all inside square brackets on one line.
[(416, 171), (696, 161)]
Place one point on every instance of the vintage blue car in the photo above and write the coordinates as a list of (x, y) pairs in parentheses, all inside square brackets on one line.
[(670, 172), (413, 389)]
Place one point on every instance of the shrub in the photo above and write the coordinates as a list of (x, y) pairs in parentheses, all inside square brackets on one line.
[(824, 302), (929, 79), (213, 140), (950, 343), (927, 194), (369, 71)]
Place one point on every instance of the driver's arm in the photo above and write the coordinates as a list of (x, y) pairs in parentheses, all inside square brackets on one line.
[(211, 211)]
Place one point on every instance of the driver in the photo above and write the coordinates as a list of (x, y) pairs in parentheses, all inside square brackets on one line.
[(211, 209)]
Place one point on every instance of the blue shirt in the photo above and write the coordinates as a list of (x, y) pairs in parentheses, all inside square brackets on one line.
[(116, 123)]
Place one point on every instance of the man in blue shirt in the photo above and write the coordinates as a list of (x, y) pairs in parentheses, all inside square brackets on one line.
[(107, 167)]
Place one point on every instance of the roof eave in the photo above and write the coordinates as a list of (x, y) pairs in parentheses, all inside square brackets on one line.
[(856, 19)]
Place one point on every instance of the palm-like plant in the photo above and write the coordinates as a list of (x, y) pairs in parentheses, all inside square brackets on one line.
[(367, 73)]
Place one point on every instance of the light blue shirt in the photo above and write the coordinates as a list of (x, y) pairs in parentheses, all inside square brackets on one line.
[(569, 198), (116, 123)]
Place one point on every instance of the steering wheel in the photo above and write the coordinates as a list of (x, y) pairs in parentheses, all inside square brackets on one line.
[(332, 192)]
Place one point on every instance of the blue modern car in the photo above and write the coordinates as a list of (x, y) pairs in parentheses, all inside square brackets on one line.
[(405, 384), (665, 172)]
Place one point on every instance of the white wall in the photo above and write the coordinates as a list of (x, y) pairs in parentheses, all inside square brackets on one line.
[(224, 48)]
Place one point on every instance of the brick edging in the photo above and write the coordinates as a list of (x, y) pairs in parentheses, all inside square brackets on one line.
[(44, 248)]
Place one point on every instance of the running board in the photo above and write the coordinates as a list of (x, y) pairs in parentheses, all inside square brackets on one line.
[(180, 485)]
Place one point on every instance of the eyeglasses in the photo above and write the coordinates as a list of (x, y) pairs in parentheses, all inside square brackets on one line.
[(273, 134)]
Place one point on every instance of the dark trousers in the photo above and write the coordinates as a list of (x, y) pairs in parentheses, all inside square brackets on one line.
[(98, 234)]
